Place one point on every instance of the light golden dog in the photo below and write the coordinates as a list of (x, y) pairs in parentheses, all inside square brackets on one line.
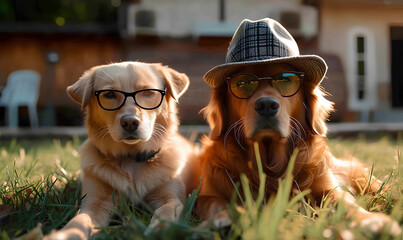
[(133, 146), (280, 115)]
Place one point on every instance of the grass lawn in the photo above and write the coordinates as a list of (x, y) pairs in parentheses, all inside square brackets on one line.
[(39, 184)]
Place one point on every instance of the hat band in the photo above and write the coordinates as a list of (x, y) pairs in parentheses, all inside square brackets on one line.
[(259, 58)]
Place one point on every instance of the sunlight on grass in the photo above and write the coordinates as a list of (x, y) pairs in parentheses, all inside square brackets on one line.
[(39, 184), (381, 152), (38, 158)]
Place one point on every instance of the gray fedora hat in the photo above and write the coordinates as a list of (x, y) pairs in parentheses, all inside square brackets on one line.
[(264, 42)]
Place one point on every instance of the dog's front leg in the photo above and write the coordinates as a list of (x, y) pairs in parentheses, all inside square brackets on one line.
[(170, 211), (79, 227), (95, 211), (167, 200), (213, 210), (371, 221), (212, 201)]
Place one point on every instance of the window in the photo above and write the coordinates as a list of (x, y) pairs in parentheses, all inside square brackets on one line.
[(361, 69), (145, 18), (396, 38), (361, 76)]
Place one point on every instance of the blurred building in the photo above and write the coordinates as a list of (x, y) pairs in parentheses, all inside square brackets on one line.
[(192, 37), (367, 36), (60, 40), (199, 18)]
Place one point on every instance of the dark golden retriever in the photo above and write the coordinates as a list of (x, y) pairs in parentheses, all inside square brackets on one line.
[(275, 106)]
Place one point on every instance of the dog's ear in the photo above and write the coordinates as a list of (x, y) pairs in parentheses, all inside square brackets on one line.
[(215, 113), (317, 109), (81, 91), (177, 83)]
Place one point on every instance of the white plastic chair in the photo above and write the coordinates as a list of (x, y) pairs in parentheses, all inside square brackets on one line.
[(22, 89)]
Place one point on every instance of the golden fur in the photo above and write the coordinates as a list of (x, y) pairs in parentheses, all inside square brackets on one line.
[(300, 123), (106, 168)]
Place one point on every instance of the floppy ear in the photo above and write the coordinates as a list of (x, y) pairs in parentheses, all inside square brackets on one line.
[(81, 91), (215, 113), (317, 109), (177, 83)]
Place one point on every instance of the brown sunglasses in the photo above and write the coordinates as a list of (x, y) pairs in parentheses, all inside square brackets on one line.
[(244, 85)]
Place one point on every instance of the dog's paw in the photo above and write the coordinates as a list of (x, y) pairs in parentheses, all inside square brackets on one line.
[(378, 223), (154, 223), (222, 220), (34, 234), (69, 234), (167, 213)]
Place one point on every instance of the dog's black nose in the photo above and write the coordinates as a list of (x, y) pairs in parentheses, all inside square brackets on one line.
[(267, 106), (129, 123)]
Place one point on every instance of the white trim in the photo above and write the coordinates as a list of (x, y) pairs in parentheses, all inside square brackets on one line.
[(370, 97)]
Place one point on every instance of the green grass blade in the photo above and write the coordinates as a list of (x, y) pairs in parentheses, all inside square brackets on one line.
[(248, 194), (281, 201), (236, 189), (262, 177), (298, 197), (188, 208)]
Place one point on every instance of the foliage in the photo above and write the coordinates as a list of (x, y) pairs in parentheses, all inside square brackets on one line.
[(54, 11)]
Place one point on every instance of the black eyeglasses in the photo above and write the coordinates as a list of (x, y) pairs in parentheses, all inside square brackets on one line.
[(244, 85), (111, 99)]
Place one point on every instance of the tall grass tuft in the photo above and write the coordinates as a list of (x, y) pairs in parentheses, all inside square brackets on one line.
[(36, 188), (258, 220)]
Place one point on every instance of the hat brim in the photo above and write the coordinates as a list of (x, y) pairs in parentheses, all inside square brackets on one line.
[(313, 66)]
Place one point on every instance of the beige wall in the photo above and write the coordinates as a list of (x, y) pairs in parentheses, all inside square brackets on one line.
[(183, 18), (338, 23)]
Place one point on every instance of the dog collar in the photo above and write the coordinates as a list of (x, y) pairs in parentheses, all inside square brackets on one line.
[(143, 156)]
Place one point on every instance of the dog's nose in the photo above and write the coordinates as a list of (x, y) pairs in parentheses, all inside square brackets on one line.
[(129, 123), (267, 106)]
